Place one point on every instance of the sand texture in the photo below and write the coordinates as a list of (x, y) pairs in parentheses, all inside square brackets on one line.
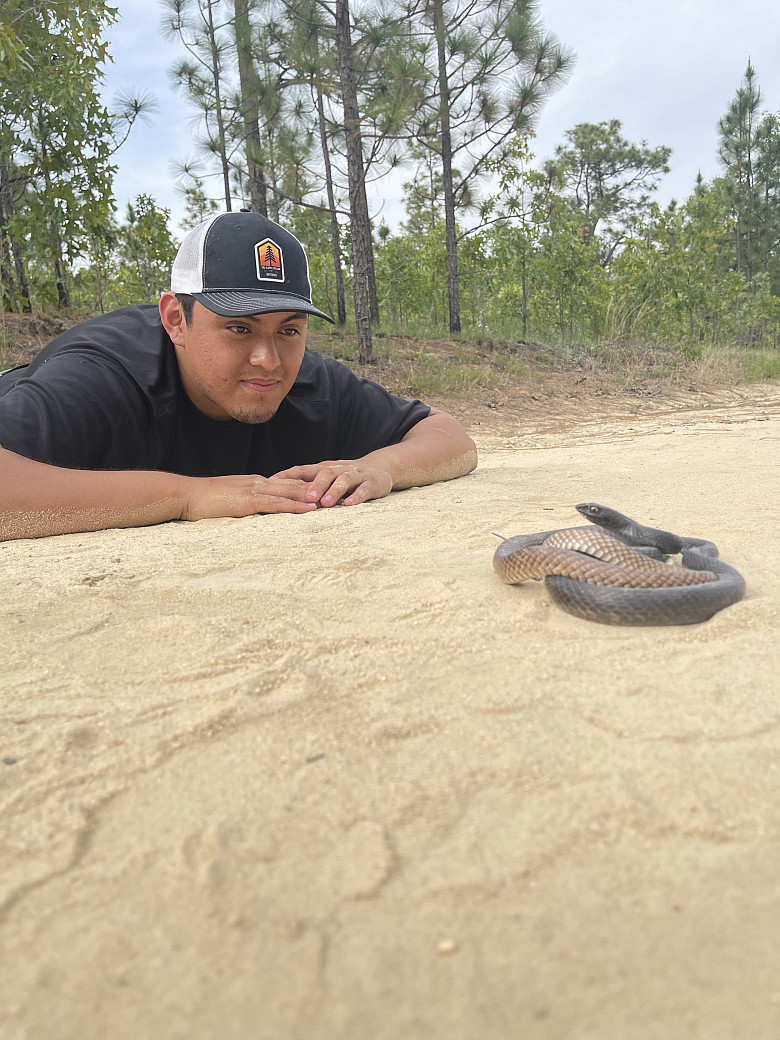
[(324, 777)]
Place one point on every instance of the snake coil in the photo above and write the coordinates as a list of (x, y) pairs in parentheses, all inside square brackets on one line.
[(618, 574)]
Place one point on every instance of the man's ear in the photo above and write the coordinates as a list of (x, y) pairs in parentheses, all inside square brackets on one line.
[(172, 317)]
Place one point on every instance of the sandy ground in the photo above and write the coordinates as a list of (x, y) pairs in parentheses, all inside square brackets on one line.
[(325, 777)]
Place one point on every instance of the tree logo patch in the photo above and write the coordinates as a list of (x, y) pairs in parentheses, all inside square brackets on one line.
[(269, 260)]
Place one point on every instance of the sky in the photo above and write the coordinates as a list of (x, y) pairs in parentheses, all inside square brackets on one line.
[(667, 69)]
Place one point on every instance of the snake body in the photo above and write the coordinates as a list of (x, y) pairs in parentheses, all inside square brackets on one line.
[(599, 573)]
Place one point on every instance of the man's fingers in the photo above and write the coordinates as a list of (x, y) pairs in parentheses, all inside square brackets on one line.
[(359, 495), (272, 504), (281, 496), (293, 489), (320, 480), (245, 495), (304, 473), (335, 488), (331, 482)]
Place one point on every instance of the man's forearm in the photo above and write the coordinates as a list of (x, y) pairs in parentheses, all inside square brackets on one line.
[(37, 499), (437, 448)]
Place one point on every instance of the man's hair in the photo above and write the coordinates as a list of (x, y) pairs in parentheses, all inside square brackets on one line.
[(187, 304)]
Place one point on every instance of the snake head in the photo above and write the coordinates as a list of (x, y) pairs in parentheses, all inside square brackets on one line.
[(603, 516), (589, 509)]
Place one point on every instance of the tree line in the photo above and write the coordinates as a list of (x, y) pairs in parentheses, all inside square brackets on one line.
[(302, 102)]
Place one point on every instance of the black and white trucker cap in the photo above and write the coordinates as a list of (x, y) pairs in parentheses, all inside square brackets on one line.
[(243, 263)]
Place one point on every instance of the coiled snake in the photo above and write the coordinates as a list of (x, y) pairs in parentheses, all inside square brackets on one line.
[(595, 574)]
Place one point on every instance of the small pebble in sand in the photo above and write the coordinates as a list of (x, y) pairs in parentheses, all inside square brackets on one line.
[(447, 946)]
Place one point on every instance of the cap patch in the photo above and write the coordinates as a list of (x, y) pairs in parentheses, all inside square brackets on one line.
[(269, 261)]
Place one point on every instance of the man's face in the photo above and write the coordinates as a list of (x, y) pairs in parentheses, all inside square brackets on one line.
[(240, 368)]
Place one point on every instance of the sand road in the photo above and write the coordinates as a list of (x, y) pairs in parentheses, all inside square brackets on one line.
[(326, 778)]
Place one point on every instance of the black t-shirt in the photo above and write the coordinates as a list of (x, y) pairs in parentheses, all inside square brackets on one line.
[(107, 395)]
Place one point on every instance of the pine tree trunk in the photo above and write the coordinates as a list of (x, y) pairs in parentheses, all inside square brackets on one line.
[(362, 252), (453, 279), (21, 276), (341, 303), (524, 283), (8, 288), (221, 136), (60, 278), (55, 239), (250, 108)]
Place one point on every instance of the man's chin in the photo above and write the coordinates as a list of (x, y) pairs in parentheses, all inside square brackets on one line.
[(254, 416)]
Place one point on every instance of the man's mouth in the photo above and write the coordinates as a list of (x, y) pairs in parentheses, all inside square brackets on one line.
[(260, 386)]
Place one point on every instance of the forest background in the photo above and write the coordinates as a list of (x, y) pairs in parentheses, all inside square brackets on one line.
[(300, 102)]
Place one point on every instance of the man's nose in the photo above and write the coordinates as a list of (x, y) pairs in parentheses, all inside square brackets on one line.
[(264, 353)]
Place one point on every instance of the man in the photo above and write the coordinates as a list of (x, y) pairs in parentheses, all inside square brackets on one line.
[(209, 405)]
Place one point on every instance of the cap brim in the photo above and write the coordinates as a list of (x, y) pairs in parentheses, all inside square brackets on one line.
[(244, 304)]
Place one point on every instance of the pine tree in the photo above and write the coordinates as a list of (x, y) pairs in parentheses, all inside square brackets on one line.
[(307, 52), (491, 66), (736, 150), (202, 76), (609, 180), (364, 84), (767, 197), (363, 274)]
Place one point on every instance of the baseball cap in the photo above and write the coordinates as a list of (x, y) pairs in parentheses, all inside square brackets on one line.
[(243, 263)]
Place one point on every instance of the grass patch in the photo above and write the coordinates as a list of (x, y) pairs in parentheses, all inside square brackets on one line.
[(760, 365), (342, 345), (430, 374)]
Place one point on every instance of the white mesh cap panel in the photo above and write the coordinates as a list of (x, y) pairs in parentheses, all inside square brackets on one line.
[(187, 270)]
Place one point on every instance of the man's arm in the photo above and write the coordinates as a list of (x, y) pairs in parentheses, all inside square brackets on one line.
[(37, 499), (436, 448)]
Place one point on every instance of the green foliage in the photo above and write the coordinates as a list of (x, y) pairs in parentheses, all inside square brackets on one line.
[(412, 277), (490, 68), (312, 230), (608, 179), (55, 138), (129, 263), (198, 206), (145, 252), (760, 365), (518, 263)]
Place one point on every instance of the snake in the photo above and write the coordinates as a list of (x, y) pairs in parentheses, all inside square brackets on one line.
[(618, 572)]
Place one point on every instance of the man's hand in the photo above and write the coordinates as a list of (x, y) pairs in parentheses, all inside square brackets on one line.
[(212, 497), (437, 448), (349, 480)]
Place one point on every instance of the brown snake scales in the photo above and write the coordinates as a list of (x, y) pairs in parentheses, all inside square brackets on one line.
[(599, 573)]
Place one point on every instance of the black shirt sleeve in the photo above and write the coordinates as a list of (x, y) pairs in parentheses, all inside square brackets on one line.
[(369, 417), (81, 411)]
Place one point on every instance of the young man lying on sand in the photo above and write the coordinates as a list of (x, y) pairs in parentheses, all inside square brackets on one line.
[(208, 405)]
